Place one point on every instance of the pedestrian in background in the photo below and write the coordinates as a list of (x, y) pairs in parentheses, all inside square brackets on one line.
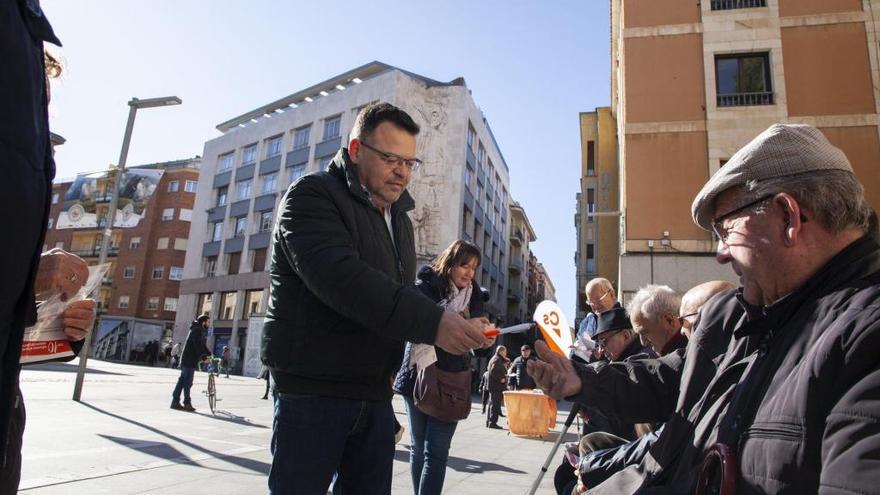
[(496, 383), (194, 351)]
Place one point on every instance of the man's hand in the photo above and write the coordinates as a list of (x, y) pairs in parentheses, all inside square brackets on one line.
[(61, 270), (456, 335), (581, 487), (78, 319), (555, 375)]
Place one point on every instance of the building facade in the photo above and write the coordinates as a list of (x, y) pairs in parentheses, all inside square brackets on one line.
[(138, 299), (521, 236), (692, 82), (460, 192), (597, 219)]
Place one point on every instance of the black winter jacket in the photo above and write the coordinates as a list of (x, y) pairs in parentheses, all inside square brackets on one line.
[(194, 349), (342, 299), (431, 285), (791, 387), (522, 379)]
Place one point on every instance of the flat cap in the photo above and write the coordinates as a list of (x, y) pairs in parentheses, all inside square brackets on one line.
[(780, 151), (613, 319)]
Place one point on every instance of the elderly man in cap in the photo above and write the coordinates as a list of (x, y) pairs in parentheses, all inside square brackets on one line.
[(791, 406)]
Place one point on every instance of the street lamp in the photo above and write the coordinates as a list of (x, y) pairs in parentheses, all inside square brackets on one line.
[(134, 105)]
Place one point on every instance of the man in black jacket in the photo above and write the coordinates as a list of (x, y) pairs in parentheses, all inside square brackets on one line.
[(342, 302), (521, 379), (779, 381), (194, 350)]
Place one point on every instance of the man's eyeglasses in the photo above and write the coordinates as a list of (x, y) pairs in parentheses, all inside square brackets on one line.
[(684, 318), (392, 160), (593, 302), (604, 340), (723, 232)]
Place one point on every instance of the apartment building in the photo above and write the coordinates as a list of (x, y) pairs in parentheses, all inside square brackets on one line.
[(521, 236), (694, 81), (138, 298), (462, 191), (597, 218)]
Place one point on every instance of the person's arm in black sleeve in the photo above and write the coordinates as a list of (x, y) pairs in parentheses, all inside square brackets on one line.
[(319, 247)]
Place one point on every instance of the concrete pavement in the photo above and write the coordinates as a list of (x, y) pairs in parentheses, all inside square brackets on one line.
[(124, 439)]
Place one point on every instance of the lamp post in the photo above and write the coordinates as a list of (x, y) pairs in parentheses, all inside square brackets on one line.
[(133, 105)]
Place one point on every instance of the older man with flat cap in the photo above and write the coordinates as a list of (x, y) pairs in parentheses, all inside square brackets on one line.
[(781, 395)]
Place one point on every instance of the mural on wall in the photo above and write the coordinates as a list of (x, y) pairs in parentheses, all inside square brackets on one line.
[(429, 186), (87, 200)]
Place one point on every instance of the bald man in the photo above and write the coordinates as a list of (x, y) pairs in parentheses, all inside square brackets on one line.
[(600, 297), (695, 298)]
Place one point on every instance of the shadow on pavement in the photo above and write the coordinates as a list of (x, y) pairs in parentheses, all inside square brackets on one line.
[(69, 368), (250, 464), (232, 418), (463, 465)]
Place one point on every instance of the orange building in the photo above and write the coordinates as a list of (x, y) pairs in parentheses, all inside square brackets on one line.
[(692, 82)]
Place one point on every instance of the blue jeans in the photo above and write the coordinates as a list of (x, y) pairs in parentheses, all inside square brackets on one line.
[(315, 437), (184, 382), (429, 449)]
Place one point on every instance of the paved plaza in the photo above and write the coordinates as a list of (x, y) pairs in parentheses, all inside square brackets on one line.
[(124, 439)]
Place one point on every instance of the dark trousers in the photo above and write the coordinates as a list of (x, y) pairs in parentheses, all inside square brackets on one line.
[(565, 480), (496, 398), (11, 472), (315, 437), (184, 384)]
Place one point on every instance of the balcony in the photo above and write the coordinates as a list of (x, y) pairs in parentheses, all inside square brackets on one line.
[(737, 4), (96, 251), (516, 237), (107, 281), (745, 99), (515, 268), (514, 295)]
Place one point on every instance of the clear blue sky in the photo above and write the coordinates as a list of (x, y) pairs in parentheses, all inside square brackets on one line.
[(531, 65)]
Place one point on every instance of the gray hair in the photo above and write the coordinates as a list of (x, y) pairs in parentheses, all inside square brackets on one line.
[(835, 197), (653, 301)]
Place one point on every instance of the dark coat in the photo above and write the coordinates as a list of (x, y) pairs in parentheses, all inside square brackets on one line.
[(497, 377), (194, 350), (432, 285), (28, 169), (522, 378), (791, 387), (342, 299)]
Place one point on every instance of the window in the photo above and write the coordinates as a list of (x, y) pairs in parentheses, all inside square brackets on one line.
[(259, 260), (123, 302), (128, 272), (270, 183), (743, 79), (233, 262), (481, 155), (190, 186), (591, 158), (153, 303), (55, 198), (253, 302), (170, 304), (244, 189), (296, 172), (240, 226), (591, 204), (216, 231), (227, 305), (168, 214), (210, 266), (175, 273), (134, 243), (273, 146), (470, 136), (468, 177), (222, 193), (249, 154), (301, 137), (174, 186), (266, 221), (180, 243), (205, 304), (331, 127), (158, 272), (737, 4), (324, 163), (225, 162), (185, 215), (51, 222), (162, 243)]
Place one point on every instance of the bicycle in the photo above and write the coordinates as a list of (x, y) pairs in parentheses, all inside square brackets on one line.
[(211, 392)]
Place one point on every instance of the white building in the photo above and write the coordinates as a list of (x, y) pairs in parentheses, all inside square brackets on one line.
[(460, 192)]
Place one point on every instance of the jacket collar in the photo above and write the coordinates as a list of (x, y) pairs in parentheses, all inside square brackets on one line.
[(343, 168), (856, 261)]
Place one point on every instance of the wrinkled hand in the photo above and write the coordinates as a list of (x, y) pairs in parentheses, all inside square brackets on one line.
[(581, 487), (555, 375), (79, 318), (456, 335), (61, 270)]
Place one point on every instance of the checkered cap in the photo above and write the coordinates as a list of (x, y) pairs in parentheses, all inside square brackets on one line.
[(781, 150)]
